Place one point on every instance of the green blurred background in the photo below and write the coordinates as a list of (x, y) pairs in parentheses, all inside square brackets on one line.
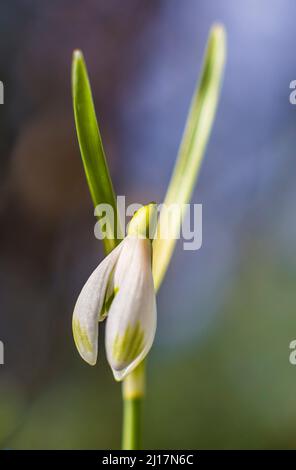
[(219, 374)]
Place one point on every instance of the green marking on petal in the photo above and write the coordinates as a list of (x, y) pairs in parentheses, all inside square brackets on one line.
[(107, 304), (110, 299), (128, 346), (81, 338)]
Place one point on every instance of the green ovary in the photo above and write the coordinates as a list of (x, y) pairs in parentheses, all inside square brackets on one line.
[(128, 346)]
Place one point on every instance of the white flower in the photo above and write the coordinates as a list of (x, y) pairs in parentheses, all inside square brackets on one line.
[(122, 289)]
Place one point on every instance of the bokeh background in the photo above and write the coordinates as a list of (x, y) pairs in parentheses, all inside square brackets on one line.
[(219, 374)]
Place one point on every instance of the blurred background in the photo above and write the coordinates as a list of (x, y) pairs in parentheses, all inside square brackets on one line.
[(219, 374)]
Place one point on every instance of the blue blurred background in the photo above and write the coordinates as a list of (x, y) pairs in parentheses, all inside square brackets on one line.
[(219, 374)]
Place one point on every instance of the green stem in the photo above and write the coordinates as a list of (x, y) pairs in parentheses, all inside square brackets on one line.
[(133, 395), (131, 434)]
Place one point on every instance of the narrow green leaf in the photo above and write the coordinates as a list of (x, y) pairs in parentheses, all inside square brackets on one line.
[(193, 145), (90, 143)]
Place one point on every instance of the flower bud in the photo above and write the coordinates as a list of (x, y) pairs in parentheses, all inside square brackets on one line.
[(121, 289)]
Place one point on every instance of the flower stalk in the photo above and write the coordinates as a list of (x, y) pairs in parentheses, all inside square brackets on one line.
[(133, 391), (112, 291)]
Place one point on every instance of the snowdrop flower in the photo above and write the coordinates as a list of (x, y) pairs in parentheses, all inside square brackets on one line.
[(121, 288)]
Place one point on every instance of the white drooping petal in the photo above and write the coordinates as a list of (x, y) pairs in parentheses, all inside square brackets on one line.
[(89, 305), (131, 321)]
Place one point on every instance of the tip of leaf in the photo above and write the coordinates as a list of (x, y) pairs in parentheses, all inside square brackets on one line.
[(218, 34), (218, 28), (78, 72), (77, 54)]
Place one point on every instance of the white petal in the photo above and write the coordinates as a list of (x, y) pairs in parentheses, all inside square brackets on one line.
[(131, 321), (89, 305)]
